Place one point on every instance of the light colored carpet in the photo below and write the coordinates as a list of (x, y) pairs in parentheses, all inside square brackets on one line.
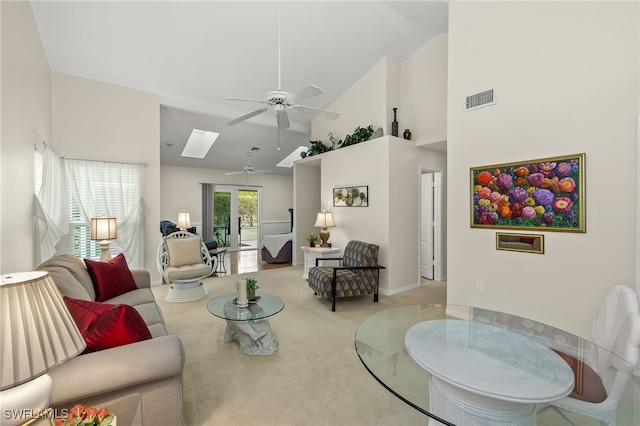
[(315, 378)]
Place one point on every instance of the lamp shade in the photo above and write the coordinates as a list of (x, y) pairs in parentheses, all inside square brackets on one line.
[(37, 331), (324, 220), (184, 220), (103, 228)]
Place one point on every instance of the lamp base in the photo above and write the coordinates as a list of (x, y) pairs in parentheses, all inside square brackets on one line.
[(324, 236), (26, 402), (104, 251)]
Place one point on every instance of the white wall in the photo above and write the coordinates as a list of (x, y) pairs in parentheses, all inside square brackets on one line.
[(180, 190), (390, 167), (26, 120), (424, 92), (307, 203), (94, 120), (364, 104), (354, 166), (566, 77)]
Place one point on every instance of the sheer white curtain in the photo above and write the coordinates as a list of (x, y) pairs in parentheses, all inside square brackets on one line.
[(100, 188), (52, 217)]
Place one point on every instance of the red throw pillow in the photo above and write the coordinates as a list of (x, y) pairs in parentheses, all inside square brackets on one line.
[(588, 385), (105, 326), (527, 240), (112, 278)]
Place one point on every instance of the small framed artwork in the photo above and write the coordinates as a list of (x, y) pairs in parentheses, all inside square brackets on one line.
[(528, 243), (351, 196), (546, 194)]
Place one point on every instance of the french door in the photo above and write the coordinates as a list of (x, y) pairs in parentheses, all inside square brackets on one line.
[(236, 217)]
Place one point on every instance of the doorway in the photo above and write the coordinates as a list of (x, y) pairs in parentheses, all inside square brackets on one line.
[(430, 246), (236, 217)]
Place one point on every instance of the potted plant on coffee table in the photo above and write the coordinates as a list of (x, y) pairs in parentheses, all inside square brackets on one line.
[(252, 285)]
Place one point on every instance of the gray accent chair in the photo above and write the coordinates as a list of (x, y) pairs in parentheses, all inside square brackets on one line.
[(357, 274)]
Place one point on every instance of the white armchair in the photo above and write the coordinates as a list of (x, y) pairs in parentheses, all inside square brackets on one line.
[(183, 260)]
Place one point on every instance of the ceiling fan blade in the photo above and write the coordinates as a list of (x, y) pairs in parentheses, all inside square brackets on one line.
[(246, 100), (323, 112), (283, 119), (235, 173), (304, 93), (245, 117)]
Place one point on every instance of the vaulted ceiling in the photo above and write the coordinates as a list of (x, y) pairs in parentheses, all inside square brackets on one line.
[(194, 54)]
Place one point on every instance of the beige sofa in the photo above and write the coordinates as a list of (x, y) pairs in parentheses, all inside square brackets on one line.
[(150, 369)]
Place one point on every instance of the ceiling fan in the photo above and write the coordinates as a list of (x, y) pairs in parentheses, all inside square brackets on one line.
[(249, 169), (281, 101)]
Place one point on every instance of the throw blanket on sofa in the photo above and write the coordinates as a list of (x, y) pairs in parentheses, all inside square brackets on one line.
[(274, 243)]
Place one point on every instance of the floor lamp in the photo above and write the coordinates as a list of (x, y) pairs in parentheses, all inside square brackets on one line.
[(37, 333), (104, 229)]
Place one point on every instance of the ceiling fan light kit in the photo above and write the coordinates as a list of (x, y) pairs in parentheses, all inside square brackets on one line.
[(249, 169), (281, 101)]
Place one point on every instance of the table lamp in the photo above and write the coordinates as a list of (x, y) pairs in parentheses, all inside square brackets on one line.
[(324, 220), (104, 229), (37, 333), (184, 220)]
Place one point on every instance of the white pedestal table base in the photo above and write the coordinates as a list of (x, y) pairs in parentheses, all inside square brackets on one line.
[(462, 407), (186, 291), (254, 336)]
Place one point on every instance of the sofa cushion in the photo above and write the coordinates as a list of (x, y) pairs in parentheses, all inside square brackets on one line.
[(183, 251), (105, 326), (110, 278), (71, 276), (186, 272)]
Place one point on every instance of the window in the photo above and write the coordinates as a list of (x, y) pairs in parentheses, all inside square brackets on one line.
[(98, 188)]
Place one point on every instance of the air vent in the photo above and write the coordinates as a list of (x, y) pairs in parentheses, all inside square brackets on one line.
[(480, 100)]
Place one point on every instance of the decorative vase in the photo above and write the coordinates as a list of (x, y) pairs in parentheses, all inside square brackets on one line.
[(251, 294), (312, 244), (407, 134), (394, 124)]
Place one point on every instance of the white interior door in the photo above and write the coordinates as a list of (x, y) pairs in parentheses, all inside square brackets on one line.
[(426, 226)]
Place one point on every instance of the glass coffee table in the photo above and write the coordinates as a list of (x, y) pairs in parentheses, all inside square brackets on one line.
[(248, 326)]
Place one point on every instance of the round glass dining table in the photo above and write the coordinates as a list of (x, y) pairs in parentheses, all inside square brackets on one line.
[(464, 365)]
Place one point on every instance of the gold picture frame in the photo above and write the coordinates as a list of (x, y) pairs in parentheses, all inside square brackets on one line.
[(546, 194), (527, 243)]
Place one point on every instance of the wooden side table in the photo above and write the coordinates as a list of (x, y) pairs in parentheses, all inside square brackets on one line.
[(313, 253)]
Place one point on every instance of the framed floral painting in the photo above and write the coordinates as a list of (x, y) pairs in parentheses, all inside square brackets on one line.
[(547, 194)]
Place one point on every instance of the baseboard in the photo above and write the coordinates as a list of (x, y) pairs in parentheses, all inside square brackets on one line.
[(387, 292)]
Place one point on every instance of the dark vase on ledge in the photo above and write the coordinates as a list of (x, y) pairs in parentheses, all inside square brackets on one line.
[(394, 124)]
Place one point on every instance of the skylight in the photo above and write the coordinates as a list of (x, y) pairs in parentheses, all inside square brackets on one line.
[(295, 155), (199, 143)]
